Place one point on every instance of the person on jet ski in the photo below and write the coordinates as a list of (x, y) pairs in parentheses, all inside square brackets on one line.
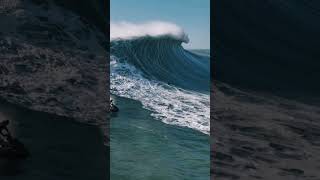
[(4, 131), (113, 108), (111, 104), (10, 146)]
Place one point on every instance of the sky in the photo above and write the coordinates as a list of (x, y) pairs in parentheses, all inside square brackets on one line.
[(191, 15)]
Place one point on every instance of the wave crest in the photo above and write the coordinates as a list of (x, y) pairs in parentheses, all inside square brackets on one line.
[(126, 31), (164, 59)]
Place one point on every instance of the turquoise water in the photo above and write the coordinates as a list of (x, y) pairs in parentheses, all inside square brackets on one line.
[(143, 148), (172, 141)]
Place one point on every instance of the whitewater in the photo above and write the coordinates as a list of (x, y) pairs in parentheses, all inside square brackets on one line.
[(149, 64)]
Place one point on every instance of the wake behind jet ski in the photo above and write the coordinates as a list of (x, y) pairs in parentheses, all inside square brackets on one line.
[(9, 146)]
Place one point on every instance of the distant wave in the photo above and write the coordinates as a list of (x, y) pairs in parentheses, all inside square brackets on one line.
[(153, 68)]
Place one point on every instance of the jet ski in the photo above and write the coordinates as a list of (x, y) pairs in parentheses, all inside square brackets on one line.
[(13, 149), (10, 147), (113, 108)]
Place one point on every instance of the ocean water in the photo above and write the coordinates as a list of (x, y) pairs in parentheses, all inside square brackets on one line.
[(266, 94), (60, 148), (145, 148), (162, 91)]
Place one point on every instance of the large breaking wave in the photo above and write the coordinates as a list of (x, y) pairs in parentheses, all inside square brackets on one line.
[(149, 64)]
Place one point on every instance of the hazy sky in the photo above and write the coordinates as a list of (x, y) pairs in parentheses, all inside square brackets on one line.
[(192, 15)]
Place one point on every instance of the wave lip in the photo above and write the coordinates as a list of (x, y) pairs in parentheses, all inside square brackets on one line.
[(128, 31)]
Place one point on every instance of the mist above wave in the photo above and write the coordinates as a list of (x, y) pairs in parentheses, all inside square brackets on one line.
[(126, 30)]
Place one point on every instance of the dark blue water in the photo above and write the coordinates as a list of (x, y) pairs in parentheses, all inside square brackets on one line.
[(165, 60)]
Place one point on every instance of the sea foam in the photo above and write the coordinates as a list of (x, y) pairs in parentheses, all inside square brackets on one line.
[(170, 104), (149, 64), (127, 30)]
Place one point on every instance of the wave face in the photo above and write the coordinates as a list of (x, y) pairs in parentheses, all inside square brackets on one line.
[(167, 79), (263, 52)]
